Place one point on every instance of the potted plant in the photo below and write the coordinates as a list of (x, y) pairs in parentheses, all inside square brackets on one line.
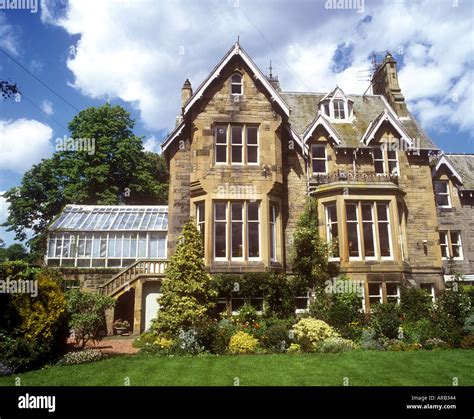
[(121, 326)]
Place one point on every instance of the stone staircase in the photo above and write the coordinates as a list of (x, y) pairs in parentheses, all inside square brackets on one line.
[(151, 268)]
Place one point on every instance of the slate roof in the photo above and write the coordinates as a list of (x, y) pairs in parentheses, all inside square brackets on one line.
[(366, 109), (464, 164)]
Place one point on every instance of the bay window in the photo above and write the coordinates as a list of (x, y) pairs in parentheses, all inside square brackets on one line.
[(236, 230), (200, 219), (332, 232), (368, 230), (273, 232)]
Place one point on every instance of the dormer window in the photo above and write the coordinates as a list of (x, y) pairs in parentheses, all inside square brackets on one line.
[(336, 106), (236, 84), (339, 112)]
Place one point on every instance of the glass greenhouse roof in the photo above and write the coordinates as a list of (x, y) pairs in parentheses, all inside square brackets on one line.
[(112, 218)]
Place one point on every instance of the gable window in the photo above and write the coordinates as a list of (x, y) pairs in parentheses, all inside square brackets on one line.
[(236, 230), (318, 157), (368, 230), (273, 232), (236, 84), (385, 160), (236, 144), (339, 112), (332, 232), (441, 187)]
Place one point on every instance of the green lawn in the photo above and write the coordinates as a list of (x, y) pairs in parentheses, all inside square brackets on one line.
[(362, 368)]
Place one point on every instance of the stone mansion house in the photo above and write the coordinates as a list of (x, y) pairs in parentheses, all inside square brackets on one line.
[(244, 159)]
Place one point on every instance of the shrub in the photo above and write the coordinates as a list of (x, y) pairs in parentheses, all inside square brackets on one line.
[(385, 320), (276, 337), (187, 296), (415, 303), (20, 354), (467, 342), (417, 331), (369, 341), (247, 314), (87, 315), (242, 343), (294, 348), (309, 332), (145, 339), (186, 343), (163, 343), (336, 344), (81, 357), (5, 370), (397, 345), (454, 304), (225, 330), (435, 343), (469, 324)]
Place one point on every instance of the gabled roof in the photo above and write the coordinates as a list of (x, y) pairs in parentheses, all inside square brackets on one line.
[(320, 120), (462, 164), (336, 92), (375, 125), (443, 160), (258, 75)]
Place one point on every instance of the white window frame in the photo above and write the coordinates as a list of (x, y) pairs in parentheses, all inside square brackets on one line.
[(247, 145), (447, 193), (458, 244), (302, 310), (329, 227), (241, 84), (449, 244), (444, 243), (397, 295), (242, 223), (201, 224), (226, 144), (246, 226), (385, 148), (339, 110), (387, 221), (431, 291), (379, 295), (325, 158), (357, 223), (375, 242), (241, 145), (273, 232), (225, 221)]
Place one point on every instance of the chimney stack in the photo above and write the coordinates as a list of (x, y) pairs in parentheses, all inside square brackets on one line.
[(186, 93), (385, 82)]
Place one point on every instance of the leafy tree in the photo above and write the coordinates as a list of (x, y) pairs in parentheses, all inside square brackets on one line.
[(187, 293), (415, 304), (15, 251), (113, 170), (87, 315), (8, 90), (310, 251)]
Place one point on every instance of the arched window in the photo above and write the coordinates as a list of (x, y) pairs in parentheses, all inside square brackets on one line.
[(236, 84)]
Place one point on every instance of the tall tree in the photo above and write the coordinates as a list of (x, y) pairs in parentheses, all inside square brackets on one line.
[(102, 162), (187, 296)]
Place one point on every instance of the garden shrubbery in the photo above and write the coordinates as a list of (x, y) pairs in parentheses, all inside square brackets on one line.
[(81, 357)]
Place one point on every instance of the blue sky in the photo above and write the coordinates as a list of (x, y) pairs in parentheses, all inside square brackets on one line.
[(138, 54)]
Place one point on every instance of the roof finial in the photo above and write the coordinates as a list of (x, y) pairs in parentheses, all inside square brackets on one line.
[(238, 39), (270, 68)]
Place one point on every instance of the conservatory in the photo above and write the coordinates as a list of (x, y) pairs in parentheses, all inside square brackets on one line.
[(98, 236)]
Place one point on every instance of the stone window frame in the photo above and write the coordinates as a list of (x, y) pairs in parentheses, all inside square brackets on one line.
[(325, 158), (329, 222), (233, 83), (245, 234), (386, 159), (229, 144), (375, 229)]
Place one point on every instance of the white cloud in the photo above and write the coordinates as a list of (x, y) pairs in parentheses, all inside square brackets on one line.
[(23, 142), (8, 36), (152, 144), (47, 107), (130, 50)]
